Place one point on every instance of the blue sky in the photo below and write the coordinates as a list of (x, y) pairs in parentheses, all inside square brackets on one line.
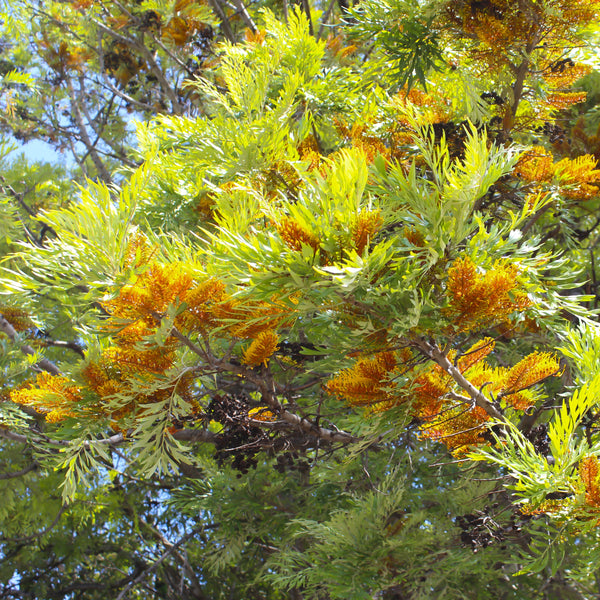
[(40, 151)]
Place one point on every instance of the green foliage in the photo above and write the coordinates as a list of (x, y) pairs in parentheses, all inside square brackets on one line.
[(358, 535), (537, 476), (582, 347), (406, 32)]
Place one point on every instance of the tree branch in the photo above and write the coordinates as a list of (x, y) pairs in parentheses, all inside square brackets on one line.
[(216, 6), (325, 18), (433, 352), (157, 562), (42, 533), (176, 106), (241, 8), (85, 138), (64, 344), (15, 474), (521, 73), (265, 384), (42, 365)]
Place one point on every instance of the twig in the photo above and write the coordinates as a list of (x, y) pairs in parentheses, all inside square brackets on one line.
[(306, 8), (15, 474), (195, 435), (41, 533), (85, 138), (44, 364), (147, 55), (157, 562), (325, 19), (266, 386)]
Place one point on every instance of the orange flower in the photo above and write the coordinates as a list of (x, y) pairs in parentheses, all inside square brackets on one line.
[(579, 173), (475, 354), (296, 235), (138, 253), (52, 395), (178, 31), (17, 317), (205, 206), (562, 73), (161, 286), (477, 300), (246, 319), (201, 300), (562, 100), (154, 290), (365, 383), (132, 359), (535, 165), (414, 236), (254, 37), (430, 387), (531, 370), (589, 473), (261, 349), (262, 413), (372, 147), (121, 392), (365, 226), (308, 150), (521, 400), (493, 32), (576, 175), (101, 381), (459, 429), (337, 46)]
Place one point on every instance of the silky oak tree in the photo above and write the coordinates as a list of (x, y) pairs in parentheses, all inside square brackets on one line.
[(335, 337)]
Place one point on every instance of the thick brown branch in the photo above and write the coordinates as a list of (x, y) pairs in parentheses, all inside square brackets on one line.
[(306, 9), (322, 433), (218, 9), (433, 352), (195, 435), (14, 437), (241, 9), (266, 386), (103, 173), (113, 440), (42, 365), (20, 473), (74, 346), (521, 73)]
